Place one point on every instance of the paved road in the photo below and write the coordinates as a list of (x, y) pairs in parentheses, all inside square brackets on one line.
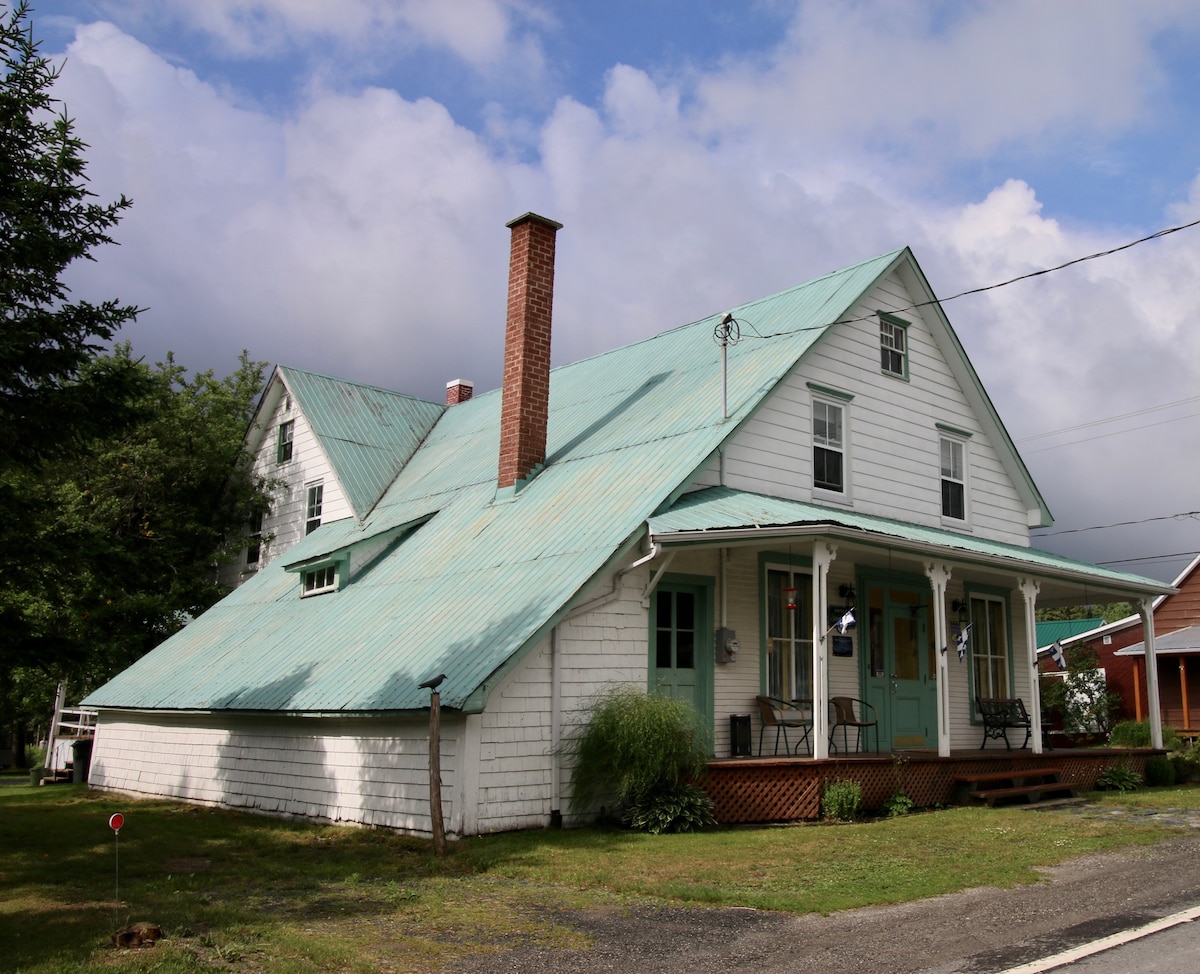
[(978, 931)]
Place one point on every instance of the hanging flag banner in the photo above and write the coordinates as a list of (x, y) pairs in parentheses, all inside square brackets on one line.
[(961, 642)]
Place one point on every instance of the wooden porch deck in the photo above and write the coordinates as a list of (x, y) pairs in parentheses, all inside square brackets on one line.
[(788, 789)]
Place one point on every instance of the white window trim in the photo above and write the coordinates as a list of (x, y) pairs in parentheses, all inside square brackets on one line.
[(886, 318), (831, 397), (953, 437), (320, 518)]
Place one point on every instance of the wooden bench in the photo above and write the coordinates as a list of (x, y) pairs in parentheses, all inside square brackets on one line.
[(1024, 784), (1001, 713)]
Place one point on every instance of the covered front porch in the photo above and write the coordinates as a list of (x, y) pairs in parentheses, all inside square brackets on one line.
[(789, 789), (809, 604)]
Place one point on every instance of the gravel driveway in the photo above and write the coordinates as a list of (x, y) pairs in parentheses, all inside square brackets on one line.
[(978, 931)]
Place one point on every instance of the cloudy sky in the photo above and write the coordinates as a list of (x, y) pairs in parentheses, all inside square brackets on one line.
[(326, 185)]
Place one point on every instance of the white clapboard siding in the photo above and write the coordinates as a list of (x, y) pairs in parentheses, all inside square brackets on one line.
[(604, 647), (284, 525), (362, 771), (892, 438)]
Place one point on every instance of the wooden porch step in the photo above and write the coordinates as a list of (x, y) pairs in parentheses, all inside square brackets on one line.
[(1016, 784), (1022, 773), (1027, 793)]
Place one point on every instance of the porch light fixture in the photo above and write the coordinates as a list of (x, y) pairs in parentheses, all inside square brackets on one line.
[(846, 592), (960, 607)]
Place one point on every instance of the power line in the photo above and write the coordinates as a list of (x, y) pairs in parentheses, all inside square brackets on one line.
[(1120, 524), (1104, 436), (991, 287), (1112, 419), (1126, 561)]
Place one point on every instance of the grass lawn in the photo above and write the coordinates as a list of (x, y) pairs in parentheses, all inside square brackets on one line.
[(247, 893)]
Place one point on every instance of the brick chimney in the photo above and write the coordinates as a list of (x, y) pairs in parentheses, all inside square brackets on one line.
[(525, 407), (459, 390)]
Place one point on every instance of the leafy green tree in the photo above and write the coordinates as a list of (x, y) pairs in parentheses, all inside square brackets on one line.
[(48, 221), (1081, 699), (134, 525)]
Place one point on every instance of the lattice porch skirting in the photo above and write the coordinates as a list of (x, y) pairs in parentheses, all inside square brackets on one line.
[(790, 789)]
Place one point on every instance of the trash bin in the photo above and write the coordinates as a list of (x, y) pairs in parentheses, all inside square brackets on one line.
[(739, 735), (81, 760)]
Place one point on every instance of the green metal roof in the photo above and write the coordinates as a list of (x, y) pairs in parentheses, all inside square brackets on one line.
[(1056, 629), (368, 433), (718, 513), (473, 577)]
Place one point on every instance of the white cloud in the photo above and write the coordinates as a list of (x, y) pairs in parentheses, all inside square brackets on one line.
[(363, 234)]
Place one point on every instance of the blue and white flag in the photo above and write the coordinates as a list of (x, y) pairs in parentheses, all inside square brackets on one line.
[(845, 622), (1057, 654), (961, 642)]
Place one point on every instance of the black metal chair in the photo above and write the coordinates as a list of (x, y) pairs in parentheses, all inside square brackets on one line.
[(842, 714), (781, 715)]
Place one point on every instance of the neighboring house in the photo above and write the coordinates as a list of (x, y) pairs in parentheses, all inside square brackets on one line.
[(331, 448), (1122, 652), (684, 514)]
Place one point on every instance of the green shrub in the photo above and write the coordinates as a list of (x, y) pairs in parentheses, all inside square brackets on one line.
[(640, 752), (1160, 772), (898, 804), (1130, 733), (678, 807), (1120, 777), (841, 800), (1187, 763), (1136, 733)]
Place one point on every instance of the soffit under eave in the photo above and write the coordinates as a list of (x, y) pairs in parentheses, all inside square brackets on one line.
[(968, 379)]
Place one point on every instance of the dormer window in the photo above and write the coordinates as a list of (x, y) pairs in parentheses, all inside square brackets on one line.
[(893, 345), (318, 581)]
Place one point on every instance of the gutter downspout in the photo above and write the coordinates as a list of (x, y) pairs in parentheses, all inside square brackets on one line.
[(555, 731)]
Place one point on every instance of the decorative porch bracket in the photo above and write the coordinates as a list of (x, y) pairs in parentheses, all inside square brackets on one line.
[(822, 557), (1146, 611), (939, 579), (1029, 591)]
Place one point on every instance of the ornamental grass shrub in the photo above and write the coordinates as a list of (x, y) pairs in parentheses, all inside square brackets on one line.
[(643, 754)]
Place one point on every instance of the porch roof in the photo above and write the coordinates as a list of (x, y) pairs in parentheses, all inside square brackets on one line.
[(720, 515), (1181, 642)]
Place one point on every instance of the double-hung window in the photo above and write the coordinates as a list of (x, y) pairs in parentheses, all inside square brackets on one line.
[(283, 447), (988, 645), (254, 539), (954, 479), (313, 504), (893, 345), (789, 634), (829, 445)]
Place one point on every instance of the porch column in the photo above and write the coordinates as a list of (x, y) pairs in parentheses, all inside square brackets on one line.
[(822, 557), (1029, 590), (1146, 611), (939, 578), (1187, 708)]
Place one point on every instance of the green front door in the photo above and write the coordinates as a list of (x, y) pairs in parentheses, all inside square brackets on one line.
[(901, 681), (681, 645)]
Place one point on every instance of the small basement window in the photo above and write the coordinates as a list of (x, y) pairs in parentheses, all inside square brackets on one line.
[(318, 581)]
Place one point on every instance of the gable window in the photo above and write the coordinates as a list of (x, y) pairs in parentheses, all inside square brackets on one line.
[(788, 634), (954, 479), (283, 448), (893, 345), (312, 507), (989, 646), (829, 455), (319, 581)]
